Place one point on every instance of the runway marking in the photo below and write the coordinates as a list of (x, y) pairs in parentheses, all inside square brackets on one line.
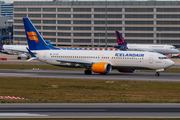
[(19, 115), (101, 78), (12, 74), (170, 77)]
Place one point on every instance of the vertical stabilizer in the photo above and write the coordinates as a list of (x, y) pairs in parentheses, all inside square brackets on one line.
[(1, 45), (122, 44), (34, 39)]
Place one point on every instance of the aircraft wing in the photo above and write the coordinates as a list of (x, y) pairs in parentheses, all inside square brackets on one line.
[(66, 61), (87, 63)]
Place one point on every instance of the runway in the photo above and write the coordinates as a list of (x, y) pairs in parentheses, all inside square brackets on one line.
[(90, 110), (138, 76)]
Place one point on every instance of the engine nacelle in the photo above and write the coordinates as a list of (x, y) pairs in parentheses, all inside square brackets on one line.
[(22, 56), (127, 70), (102, 67)]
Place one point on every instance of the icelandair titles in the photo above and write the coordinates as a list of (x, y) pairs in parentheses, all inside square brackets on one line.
[(128, 55)]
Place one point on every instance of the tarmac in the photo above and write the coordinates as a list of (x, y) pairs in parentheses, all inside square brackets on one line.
[(90, 110), (67, 74)]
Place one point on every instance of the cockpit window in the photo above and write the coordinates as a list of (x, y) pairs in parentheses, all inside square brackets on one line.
[(163, 58), (173, 47)]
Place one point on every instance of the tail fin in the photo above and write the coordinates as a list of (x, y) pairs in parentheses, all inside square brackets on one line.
[(122, 44), (34, 39), (1, 45)]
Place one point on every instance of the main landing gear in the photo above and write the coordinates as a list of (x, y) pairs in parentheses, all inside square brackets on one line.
[(18, 57), (87, 72)]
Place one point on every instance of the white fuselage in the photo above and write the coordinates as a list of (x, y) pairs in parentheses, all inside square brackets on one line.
[(117, 59), (15, 48), (163, 49)]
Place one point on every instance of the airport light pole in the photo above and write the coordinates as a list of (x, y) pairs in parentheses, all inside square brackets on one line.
[(106, 26), (99, 40), (159, 37)]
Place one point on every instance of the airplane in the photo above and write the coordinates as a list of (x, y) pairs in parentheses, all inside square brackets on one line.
[(18, 49), (163, 49), (92, 60)]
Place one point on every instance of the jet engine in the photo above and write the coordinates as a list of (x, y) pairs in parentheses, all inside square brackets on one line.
[(127, 70), (102, 67)]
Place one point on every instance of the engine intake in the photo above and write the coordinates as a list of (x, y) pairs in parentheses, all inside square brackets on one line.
[(102, 67), (127, 70)]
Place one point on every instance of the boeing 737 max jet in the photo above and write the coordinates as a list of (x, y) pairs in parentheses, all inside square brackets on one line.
[(93, 61)]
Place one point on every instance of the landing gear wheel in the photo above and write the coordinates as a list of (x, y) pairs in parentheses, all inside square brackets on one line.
[(87, 72), (27, 57), (157, 74), (102, 73)]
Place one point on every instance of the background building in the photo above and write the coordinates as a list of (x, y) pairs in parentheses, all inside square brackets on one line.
[(6, 31), (83, 22), (6, 22), (7, 9)]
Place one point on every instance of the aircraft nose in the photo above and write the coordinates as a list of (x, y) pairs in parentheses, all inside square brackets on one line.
[(170, 63), (177, 51)]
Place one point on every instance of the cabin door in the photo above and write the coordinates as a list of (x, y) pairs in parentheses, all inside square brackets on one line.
[(45, 54), (151, 59)]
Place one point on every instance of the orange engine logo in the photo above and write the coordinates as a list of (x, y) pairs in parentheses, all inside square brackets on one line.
[(32, 36)]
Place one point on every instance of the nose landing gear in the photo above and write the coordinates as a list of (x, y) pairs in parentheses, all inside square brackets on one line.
[(157, 74), (158, 71)]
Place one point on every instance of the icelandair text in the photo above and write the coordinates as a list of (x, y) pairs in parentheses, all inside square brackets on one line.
[(128, 55)]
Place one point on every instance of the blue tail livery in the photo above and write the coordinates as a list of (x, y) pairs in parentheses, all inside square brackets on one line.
[(34, 39), (122, 45)]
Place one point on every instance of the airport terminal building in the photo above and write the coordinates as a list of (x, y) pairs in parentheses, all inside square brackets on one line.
[(83, 22)]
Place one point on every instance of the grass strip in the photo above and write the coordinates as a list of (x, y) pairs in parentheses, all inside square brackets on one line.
[(50, 67), (91, 119), (170, 70), (51, 90), (43, 67)]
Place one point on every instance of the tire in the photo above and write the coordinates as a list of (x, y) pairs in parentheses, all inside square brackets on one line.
[(102, 73), (27, 57), (18, 58), (157, 74), (87, 72)]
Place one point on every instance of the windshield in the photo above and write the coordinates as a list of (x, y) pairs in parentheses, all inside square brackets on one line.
[(173, 47), (163, 58)]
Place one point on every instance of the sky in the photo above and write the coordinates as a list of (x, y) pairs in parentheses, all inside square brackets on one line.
[(11, 1)]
